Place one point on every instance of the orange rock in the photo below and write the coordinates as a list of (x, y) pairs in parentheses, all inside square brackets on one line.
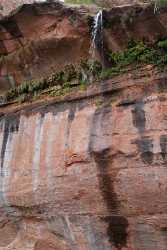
[(86, 176), (76, 174)]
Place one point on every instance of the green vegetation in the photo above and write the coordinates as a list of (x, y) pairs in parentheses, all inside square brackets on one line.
[(56, 84), (162, 44), (161, 3), (136, 55)]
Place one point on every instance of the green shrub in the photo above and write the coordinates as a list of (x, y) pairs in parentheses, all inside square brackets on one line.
[(162, 44), (60, 83), (161, 3), (136, 53)]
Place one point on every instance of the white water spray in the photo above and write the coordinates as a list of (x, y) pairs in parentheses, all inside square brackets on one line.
[(97, 36)]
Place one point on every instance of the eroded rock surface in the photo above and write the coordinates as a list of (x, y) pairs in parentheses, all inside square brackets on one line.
[(87, 173), (39, 39)]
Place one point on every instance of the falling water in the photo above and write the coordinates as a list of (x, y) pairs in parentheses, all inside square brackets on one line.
[(97, 36)]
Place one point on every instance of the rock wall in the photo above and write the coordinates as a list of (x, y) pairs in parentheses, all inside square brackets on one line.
[(113, 3), (87, 172), (39, 39), (7, 6)]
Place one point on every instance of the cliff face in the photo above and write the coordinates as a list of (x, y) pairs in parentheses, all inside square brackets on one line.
[(7, 6), (39, 39), (42, 38), (87, 171)]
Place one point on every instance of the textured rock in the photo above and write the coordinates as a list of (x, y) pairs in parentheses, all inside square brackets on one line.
[(8, 6), (112, 3), (39, 39), (88, 172), (42, 38), (133, 22)]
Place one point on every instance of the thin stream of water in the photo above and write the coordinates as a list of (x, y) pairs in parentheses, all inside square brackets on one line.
[(97, 37)]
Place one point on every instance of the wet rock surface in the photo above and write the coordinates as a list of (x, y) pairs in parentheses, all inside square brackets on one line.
[(86, 171), (41, 38), (84, 174)]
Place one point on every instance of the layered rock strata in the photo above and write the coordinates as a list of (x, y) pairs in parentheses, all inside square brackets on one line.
[(87, 171), (84, 171), (39, 39)]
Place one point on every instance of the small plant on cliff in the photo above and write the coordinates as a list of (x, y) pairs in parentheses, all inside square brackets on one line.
[(27, 87), (159, 4), (137, 53), (57, 83), (162, 44)]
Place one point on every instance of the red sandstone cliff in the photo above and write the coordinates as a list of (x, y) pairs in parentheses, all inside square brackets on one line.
[(86, 171), (39, 39)]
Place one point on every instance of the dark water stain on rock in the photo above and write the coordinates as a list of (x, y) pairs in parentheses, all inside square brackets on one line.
[(163, 145), (138, 117), (71, 114), (117, 230), (3, 50), (11, 125), (55, 107), (145, 146), (71, 117), (106, 184), (11, 27), (99, 132)]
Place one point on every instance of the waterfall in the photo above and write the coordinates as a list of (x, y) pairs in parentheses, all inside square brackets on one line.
[(97, 36)]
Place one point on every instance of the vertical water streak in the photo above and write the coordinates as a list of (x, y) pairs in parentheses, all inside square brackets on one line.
[(37, 152), (97, 37)]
